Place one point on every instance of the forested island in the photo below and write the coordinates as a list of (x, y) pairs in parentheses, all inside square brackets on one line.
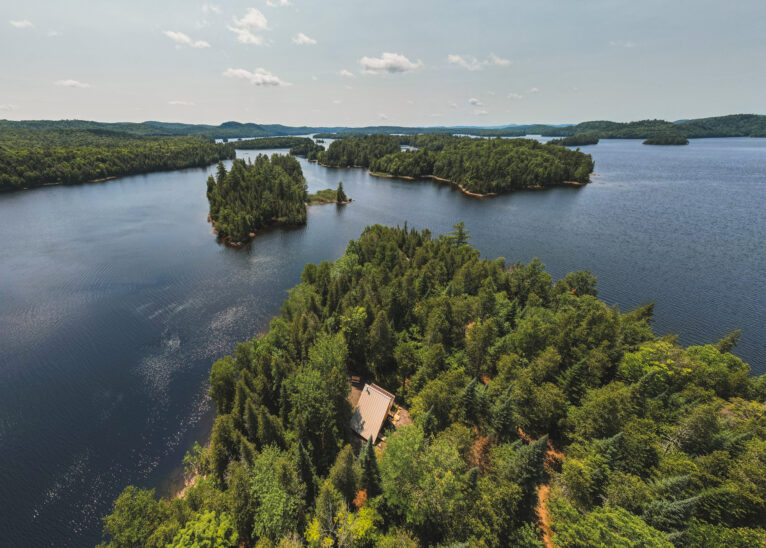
[(479, 167), (541, 415), (669, 139), (582, 139), (253, 195), (30, 158)]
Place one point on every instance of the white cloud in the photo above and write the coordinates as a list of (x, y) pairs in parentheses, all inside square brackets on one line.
[(8, 108), (53, 33), (622, 44), (70, 84), (180, 103), (388, 63), (515, 96), (453, 105), (211, 8), (253, 21), (22, 24), (261, 77), (469, 62), (337, 101), (534, 90), (499, 61), (480, 112), (475, 102), (184, 40), (346, 73), (277, 3), (303, 40)]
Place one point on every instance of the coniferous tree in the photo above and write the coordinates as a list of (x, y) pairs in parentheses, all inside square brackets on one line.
[(370, 471), (340, 195)]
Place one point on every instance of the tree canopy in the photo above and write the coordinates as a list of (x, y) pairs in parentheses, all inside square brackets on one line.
[(539, 413), (252, 195)]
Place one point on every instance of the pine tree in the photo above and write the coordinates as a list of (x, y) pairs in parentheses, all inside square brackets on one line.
[(370, 471), (306, 471), (344, 474), (341, 196), (469, 403)]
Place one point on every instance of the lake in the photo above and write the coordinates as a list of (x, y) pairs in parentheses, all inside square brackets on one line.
[(115, 298)]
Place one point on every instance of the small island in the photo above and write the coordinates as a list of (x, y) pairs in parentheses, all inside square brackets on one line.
[(329, 196), (580, 140), (254, 195), (667, 140), (478, 167)]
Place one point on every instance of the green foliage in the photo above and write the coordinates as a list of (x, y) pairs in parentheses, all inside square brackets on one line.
[(358, 152), (667, 139), (579, 140), (208, 530), (522, 390), (486, 166), (604, 527), (34, 157), (253, 195)]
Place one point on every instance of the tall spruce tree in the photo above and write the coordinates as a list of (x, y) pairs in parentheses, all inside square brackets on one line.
[(370, 471)]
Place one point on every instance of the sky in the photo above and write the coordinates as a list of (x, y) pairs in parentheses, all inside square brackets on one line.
[(384, 62)]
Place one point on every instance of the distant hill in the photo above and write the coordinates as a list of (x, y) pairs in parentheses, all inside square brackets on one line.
[(734, 125)]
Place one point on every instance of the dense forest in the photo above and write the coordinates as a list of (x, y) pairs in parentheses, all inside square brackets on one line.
[(540, 415), (252, 195), (359, 151), (273, 142), (667, 139), (37, 157), (307, 148), (579, 140), (481, 166)]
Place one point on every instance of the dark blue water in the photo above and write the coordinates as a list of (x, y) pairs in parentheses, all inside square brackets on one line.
[(115, 297)]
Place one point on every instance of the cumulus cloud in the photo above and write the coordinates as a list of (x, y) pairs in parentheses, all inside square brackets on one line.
[(211, 8), (246, 27), (303, 40), (515, 96), (469, 62), (22, 24), (475, 102), (534, 90), (277, 3), (346, 73), (185, 40), (71, 84), (8, 108), (180, 103), (261, 77), (499, 61), (388, 63)]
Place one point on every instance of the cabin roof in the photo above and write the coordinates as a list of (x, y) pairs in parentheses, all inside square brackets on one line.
[(370, 413)]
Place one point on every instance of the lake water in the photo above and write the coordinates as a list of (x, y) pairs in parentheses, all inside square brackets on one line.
[(115, 297)]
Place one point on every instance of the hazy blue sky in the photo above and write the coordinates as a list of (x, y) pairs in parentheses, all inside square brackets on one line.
[(359, 62)]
